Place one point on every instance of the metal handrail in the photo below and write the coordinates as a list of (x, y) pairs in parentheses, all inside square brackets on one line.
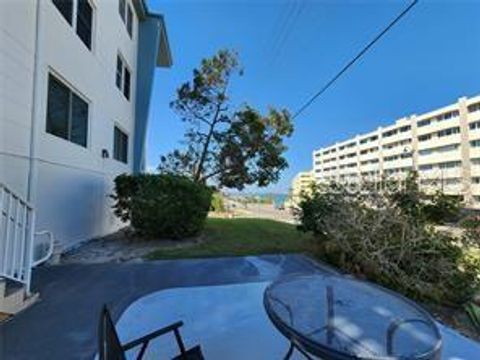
[(17, 224), (17, 232), (51, 245)]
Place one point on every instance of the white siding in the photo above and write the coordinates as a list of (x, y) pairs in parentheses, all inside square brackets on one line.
[(73, 183)]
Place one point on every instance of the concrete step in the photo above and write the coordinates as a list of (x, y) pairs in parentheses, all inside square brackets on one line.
[(14, 298)]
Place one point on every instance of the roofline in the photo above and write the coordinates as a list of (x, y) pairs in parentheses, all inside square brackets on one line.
[(399, 122), (164, 56)]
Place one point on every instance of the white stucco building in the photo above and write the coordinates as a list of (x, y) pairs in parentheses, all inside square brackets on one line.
[(443, 146), (75, 83)]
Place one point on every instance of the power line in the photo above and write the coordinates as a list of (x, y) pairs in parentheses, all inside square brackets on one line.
[(283, 38), (284, 25), (349, 64)]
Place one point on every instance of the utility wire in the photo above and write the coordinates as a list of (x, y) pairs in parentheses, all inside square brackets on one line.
[(349, 64)]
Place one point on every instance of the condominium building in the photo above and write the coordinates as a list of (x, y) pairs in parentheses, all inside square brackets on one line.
[(301, 183), (443, 146), (75, 84)]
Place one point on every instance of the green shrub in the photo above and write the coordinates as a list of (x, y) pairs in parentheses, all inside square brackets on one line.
[(218, 204), (166, 205), (367, 235), (471, 226), (437, 209), (441, 209)]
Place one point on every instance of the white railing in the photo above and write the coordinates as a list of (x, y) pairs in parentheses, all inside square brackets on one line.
[(17, 223), (50, 246)]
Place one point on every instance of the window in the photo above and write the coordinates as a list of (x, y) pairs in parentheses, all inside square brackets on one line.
[(129, 21), (123, 77), (120, 145), (126, 84), (84, 22), (126, 13), (389, 133), (424, 137), (475, 143), (448, 115), (119, 74), (474, 125), (404, 128), (424, 122), (449, 165), (121, 9), (474, 107), (391, 158), (66, 9), (426, 167), (67, 113), (448, 132)]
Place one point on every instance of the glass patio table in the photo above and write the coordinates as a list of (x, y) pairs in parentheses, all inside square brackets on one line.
[(337, 317)]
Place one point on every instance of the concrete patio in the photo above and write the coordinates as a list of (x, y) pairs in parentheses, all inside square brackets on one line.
[(63, 324)]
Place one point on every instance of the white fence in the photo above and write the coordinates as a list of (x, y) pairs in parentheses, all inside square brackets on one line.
[(17, 223)]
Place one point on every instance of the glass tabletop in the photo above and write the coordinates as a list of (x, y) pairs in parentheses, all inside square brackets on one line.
[(342, 318)]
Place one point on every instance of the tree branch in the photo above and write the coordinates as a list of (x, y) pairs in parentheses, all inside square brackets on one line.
[(208, 176), (197, 176)]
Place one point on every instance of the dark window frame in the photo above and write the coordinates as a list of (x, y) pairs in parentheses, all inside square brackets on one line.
[(474, 125), (84, 22), (75, 103), (66, 13), (120, 144), (125, 77), (119, 72), (127, 82), (129, 21), (122, 4)]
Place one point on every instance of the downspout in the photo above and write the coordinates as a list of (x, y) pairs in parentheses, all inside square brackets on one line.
[(32, 166)]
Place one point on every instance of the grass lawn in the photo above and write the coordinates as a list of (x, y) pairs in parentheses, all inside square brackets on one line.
[(241, 237)]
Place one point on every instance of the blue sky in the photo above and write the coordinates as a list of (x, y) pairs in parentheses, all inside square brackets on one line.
[(289, 49)]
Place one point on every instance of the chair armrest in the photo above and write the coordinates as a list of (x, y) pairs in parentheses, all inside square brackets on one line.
[(152, 335)]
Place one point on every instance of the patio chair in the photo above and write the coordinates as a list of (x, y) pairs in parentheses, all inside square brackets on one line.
[(110, 347)]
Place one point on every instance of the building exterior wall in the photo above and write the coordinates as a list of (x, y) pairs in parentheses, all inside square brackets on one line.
[(301, 183), (71, 184), (440, 145), (17, 25)]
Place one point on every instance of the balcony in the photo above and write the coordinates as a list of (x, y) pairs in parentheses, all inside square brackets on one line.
[(398, 163), (436, 141), (438, 157), (438, 125)]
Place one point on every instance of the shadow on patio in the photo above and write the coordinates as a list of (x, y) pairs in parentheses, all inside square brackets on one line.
[(219, 300)]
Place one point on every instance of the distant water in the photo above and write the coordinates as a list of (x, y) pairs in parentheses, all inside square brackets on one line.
[(278, 199)]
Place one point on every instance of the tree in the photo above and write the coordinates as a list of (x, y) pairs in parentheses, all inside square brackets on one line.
[(229, 146)]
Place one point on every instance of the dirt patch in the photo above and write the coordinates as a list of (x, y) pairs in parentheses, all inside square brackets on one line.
[(4, 317), (122, 246)]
